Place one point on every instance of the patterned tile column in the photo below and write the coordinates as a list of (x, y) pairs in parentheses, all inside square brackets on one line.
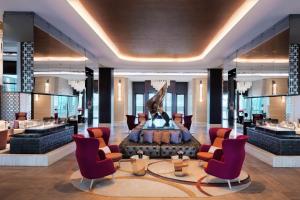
[(294, 78), (27, 54)]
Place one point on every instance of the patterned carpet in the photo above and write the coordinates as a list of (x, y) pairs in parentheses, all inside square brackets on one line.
[(160, 181)]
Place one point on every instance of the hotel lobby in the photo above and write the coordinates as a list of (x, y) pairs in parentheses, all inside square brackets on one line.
[(149, 99)]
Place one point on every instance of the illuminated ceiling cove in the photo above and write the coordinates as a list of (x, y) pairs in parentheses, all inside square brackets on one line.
[(161, 30)]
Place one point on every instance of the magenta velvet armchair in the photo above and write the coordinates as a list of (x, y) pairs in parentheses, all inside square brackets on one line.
[(187, 121), (230, 165), (115, 154), (131, 122), (221, 134), (91, 166)]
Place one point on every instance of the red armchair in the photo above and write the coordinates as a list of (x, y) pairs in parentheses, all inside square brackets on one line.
[(216, 135), (102, 134), (130, 122), (187, 121), (230, 165), (91, 166)]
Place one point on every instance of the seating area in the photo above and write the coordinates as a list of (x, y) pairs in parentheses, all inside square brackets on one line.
[(149, 100)]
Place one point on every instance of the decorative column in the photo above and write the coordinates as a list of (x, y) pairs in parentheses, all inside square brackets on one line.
[(89, 92), (27, 76), (231, 96), (106, 95), (294, 55), (214, 96)]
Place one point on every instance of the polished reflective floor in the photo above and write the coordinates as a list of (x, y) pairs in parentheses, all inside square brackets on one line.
[(53, 182)]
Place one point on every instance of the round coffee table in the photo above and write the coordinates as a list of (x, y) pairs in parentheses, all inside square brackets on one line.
[(139, 165), (180, 165)]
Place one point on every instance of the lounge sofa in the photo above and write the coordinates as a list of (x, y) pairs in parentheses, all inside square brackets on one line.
[(189, 146), (41, 141)]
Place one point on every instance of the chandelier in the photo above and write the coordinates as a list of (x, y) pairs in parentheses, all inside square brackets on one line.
[(79, 86), (158, 84), (243, 86)]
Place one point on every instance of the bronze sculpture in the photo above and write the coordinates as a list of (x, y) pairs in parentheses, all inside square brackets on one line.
[(155, 104)]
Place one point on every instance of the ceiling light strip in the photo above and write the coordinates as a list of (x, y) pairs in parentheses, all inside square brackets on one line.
[(60, 59), (261, 60), (164, 74), (236, 17)]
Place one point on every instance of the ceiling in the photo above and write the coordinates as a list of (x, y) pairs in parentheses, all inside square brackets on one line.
[(134, 34), (161, 28), (47, 46), (275, 48)]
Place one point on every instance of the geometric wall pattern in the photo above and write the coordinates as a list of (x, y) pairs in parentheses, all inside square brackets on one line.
[(27, 53), (10, 105), (294, 79), (13, 102)]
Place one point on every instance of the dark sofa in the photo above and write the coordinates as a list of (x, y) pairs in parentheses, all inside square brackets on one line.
[(41, 141), (129, 148)]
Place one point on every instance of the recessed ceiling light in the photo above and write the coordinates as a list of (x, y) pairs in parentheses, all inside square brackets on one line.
[(97, 28), (261, 60), (60, 59)]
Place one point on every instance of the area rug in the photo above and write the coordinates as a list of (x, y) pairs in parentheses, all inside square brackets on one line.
[(160, 182)]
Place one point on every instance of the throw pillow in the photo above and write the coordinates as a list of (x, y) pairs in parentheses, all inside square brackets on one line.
[(165, 137), (175, 137), (148, 137), (134, 135), (212, 149), (101, 142), (105, 149), (218, 142), (97, 133), (157, 137), (186, 135)]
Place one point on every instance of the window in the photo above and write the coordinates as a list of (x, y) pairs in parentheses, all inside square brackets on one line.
[(180, 103), (73, 104), (225, 106), (167, 104), (10, 83), (61, 104), (95, 105), (139, 103)]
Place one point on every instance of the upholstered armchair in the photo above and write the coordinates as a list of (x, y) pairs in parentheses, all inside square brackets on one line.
[(142, 117), (21, 116), (102, 134), (130, 122), (230, 165), (91, 166), (216, 135), (187, 121), (177, 117)]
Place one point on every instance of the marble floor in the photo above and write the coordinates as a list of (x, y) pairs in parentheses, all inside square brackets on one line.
[(18, 183)]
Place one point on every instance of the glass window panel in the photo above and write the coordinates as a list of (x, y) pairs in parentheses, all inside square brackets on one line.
[(95, 105), (167, 104), (225, 106), (139, 103), (180, 103)]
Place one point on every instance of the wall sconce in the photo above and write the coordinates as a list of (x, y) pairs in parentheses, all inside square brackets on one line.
[(274, 88), (201, 91), (283, 99), (47, 86), (119, 90), (36, 97)]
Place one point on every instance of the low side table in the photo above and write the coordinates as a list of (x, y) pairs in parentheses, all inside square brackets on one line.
[(180, 165), (139, 165)]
